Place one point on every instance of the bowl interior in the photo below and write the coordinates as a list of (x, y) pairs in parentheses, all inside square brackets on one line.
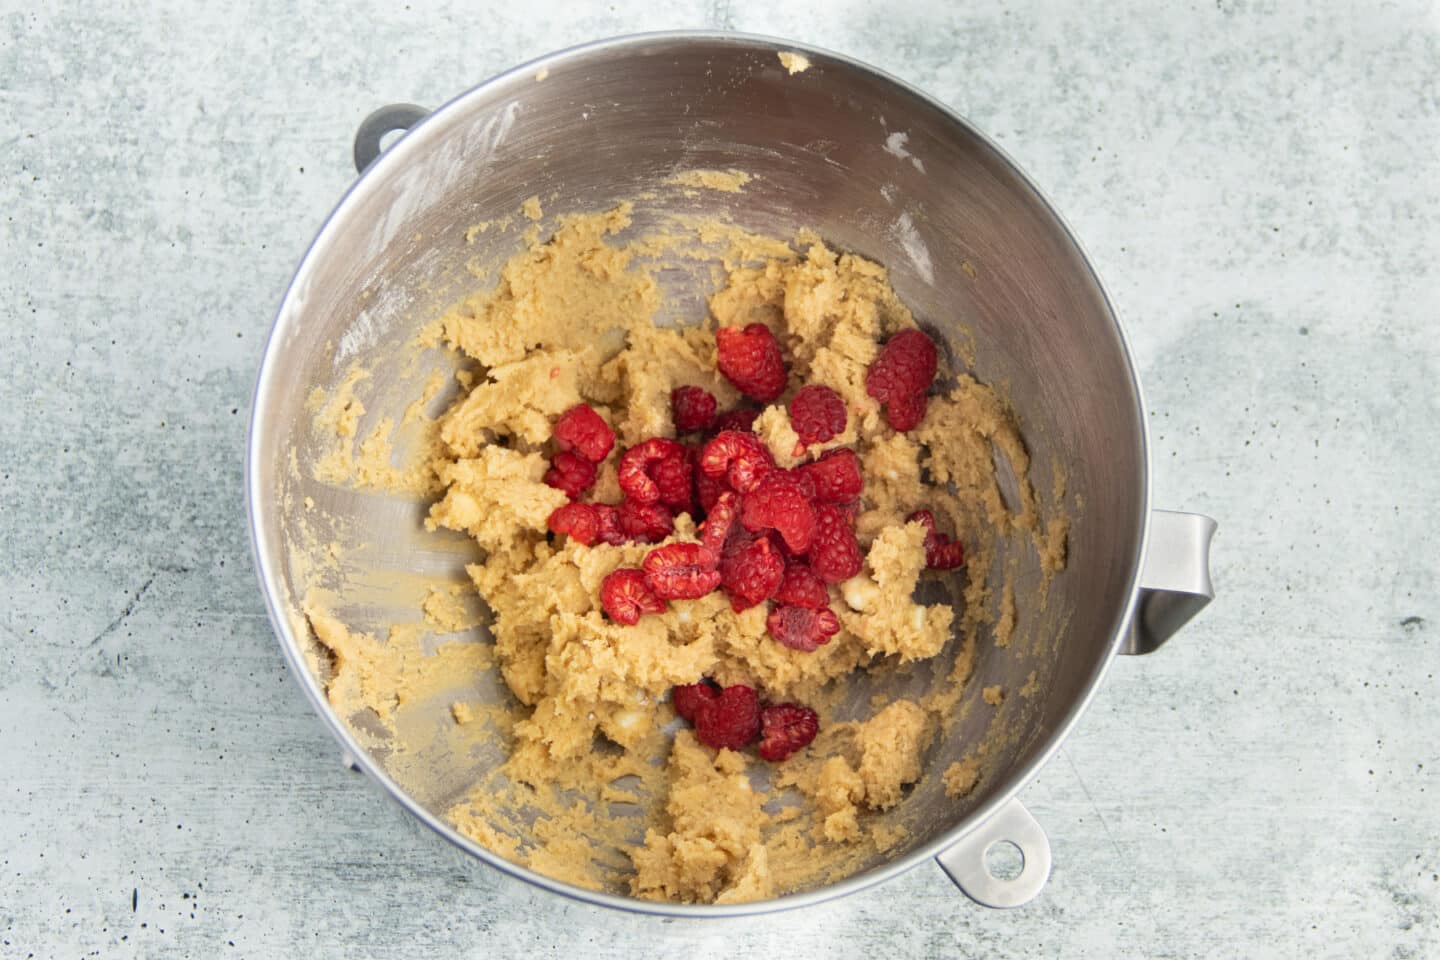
[(871, 166)]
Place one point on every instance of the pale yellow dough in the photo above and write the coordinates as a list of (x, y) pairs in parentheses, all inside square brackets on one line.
[(570, 321)]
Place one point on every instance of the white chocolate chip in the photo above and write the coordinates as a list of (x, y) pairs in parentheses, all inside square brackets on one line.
[(860, 592), (629, 719)]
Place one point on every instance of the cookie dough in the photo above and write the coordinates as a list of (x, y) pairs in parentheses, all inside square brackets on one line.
[(600, 779)]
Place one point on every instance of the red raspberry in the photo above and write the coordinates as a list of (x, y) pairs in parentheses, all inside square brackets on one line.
[(625, 595), (582, 430), (741, 458), (570, 473), (578, 521), (804, 481), (751, 569), (801, 629), (941, 553), (779, 504), (836, 476), (693, 408), (707, 488), (926, 519), (905, 414), (904, 367), (817, 414), (718, 523), (689, 698), (636, 466), (608, 529), (645, 522), (786, 728), (680, 571), (731, 720), (742, 420), (750, 359), (834, 553), (674, 478), (801, 587)]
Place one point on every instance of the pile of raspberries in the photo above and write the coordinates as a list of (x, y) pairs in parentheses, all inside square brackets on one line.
[(768, 533)]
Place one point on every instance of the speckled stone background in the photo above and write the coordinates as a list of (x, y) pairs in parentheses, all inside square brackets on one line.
[(1258, 184)]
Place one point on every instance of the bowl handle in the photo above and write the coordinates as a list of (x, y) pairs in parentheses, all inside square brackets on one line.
[(1174, 579), (964, 860), (391, 118)]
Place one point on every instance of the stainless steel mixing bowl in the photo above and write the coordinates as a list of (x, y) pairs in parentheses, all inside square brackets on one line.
[(875, 167)]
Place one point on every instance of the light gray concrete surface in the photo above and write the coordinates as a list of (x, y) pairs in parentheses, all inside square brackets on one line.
[(1259, 186)]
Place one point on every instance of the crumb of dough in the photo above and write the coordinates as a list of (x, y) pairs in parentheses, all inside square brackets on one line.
[(888, 752), (712, 846), (462, 712), (725, 181), (531, 209), (773, 426), (1032, 685), (498, 497), (890, 621), (446, 609), (891, 747), (520, 399), (793, 62), (961, 777), (994, 696), (1005, 626)]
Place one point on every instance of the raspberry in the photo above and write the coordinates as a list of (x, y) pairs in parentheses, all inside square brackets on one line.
[(625, 595), (750, 359), (645, 522), (817, 414), (680, 571), (693, 408), (741, 458), (926, 519), (801, 629), (689, 698), (801, 587), (731, 720), (742, 420), (707, 488), (751, 569), (836, 476), (674, 477), (608, 529), (578, 521), (904, 368), (834, 553), (582, 430), (718, 523), (804, 481), (779, 504), (636, 475), (905, 414), (941, 553), (900, 376), (570, 473), (786, 728)]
